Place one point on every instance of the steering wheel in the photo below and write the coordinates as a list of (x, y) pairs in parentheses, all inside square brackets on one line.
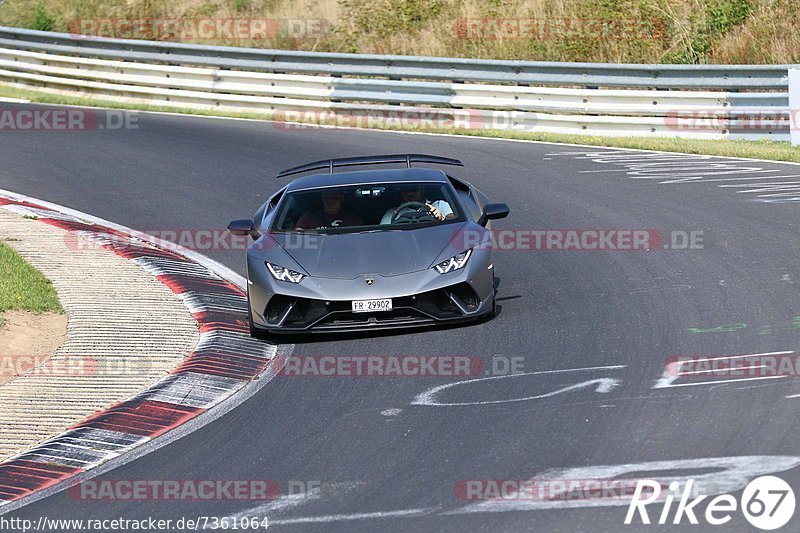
[(414, 212)]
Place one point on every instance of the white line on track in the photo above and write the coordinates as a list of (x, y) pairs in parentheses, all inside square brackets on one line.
[(421, 511), (283, 503), (727, 357), (723, 381), (604, 385), (672, 373), (715, 180)]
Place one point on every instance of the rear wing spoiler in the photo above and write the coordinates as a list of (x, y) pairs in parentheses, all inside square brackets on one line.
[(330, 164)]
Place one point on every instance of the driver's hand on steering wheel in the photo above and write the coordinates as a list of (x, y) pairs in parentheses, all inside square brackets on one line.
[(435, 212)]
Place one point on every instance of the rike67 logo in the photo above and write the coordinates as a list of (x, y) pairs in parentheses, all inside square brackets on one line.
[(767, 503)]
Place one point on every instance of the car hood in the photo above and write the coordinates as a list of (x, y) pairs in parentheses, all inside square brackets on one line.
[(386, 253)]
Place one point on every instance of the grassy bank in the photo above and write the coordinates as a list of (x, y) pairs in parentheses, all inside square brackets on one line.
[(637, 31), (22, 287), (769, 150)]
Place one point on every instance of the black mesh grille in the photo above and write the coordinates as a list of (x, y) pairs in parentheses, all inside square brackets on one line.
[(465, 293), (423, 308)]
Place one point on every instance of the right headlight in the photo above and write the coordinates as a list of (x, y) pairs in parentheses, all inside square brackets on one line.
[(284, 274), (454, 263)]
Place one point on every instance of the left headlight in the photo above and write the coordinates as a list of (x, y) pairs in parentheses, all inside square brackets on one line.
[(454, 263), (284, 274)]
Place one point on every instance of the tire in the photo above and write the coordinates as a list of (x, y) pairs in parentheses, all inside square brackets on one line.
[(494, 297)]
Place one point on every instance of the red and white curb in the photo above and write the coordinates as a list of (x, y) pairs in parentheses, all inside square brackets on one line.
[(225, 360)]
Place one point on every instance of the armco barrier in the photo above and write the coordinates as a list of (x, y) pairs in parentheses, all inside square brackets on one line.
[(697, 101), (794, 103)]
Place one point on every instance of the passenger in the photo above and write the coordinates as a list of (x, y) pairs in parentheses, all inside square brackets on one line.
[(331, 214)]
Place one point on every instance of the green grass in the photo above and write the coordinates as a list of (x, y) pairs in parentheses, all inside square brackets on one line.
[(652, 31), (765, 149), (22, 287)]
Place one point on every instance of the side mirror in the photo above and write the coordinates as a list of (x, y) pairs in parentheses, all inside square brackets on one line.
[(494, 212), (241, 227)]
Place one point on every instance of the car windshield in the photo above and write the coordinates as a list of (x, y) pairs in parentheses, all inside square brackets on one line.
[(371, 207)]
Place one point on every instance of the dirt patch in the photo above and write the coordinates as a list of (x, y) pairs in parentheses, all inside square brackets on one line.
[(28, 339)]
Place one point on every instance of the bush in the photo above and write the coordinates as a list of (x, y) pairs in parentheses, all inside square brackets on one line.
[(42, 20)]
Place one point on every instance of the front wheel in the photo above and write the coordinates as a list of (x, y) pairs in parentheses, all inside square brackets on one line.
[(494, 296)]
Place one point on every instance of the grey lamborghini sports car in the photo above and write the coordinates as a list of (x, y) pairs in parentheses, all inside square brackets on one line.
[(370, 249)]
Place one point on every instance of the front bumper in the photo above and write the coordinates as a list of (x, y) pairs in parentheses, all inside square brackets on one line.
[(289, 314), (419, 299)]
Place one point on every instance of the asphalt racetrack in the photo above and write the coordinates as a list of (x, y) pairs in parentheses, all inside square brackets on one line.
[(590, 333)]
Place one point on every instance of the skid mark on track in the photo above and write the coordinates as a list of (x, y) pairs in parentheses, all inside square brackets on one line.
[(662, 289), (674, 169)]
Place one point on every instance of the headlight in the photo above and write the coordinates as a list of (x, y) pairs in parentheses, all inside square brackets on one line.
[(284, 274), (454, 263)]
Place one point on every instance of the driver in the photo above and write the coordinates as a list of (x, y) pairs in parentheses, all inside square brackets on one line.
[(331, 214), (440, 209)]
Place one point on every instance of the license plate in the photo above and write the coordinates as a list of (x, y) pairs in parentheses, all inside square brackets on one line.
[(371, 306)]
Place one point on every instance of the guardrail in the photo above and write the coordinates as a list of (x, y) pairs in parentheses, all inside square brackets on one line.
[(705, 101), (794, 105)]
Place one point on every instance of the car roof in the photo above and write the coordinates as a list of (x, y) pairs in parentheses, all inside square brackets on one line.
[(366, 177)]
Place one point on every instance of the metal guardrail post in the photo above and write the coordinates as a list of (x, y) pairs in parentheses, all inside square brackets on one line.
[(794, 105)]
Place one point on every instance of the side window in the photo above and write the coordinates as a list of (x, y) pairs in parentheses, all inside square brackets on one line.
[(436, 193), (472, 210), (268, 209), (471, 198), (288, 218)]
